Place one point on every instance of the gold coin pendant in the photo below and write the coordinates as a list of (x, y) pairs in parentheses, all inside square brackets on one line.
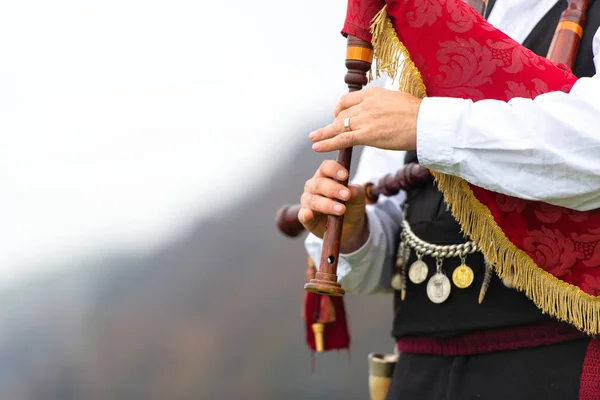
[(463, 276)]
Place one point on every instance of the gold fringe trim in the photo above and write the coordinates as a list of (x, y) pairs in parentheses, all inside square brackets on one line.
[(559, 299), (393, 58)]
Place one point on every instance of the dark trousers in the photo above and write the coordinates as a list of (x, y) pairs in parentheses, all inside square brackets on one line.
[(546, 373)]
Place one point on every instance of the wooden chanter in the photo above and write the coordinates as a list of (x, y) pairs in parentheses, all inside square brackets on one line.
[(359, 57)]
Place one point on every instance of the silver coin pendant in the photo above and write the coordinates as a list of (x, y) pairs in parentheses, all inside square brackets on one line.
[(438, 288), (417, 272)]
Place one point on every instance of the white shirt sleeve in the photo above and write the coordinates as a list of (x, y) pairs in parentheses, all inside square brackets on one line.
[(546, 149)]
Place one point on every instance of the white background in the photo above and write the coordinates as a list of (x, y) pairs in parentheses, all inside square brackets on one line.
[(120, 120)]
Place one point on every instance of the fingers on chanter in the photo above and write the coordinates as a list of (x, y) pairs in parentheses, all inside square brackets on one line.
[(327, 187), (351, 112), (305, 216), (340, 142), (331, 130), (337, 129), (348, 100), (322, 204), (331, 169)]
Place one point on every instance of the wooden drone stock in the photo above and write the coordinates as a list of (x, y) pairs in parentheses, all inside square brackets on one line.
[(409, 177)]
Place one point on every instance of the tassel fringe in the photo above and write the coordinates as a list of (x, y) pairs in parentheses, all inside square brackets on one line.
[(559, 299), (393, 58)]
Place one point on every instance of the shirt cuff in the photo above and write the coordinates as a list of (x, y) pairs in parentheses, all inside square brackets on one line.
[(437, 125)]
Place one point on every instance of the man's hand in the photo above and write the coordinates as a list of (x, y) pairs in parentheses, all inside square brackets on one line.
[(380, 118), (318, 201)]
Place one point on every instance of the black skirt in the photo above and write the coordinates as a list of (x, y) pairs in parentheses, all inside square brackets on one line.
[(550, 372)]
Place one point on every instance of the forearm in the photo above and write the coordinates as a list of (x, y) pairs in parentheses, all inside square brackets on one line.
[(546, 149), (358, 240)]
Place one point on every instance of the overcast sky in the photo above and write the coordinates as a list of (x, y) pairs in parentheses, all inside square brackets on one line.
[(121, 119)]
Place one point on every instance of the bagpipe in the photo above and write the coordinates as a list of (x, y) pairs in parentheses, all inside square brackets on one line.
[(445, 48)]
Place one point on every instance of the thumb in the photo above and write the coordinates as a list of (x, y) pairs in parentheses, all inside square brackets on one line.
[(307, 218), (357, 194)]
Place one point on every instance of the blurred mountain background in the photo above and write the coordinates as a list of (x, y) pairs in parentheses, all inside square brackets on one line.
[(145, 147), (212, 315)]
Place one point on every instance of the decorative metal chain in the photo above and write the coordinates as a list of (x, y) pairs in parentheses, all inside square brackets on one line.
[(422, 248)]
